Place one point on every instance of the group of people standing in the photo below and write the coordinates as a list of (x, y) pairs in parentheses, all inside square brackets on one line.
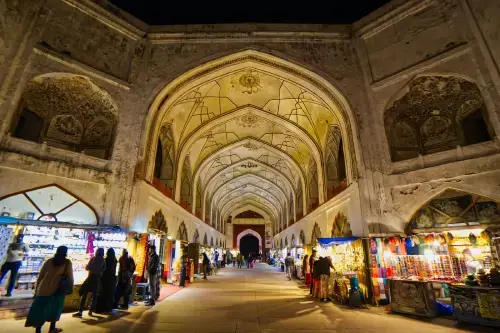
[(55, 281), (316, 271), (249, 261)]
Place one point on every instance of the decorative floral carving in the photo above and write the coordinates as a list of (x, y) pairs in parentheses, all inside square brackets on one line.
[(99, 133), (437, 130), (248, 82), (434, 107), (78, 112), (250, 120), (65, 128), (341, 226), (158, 222), (404, 135), (251, 146)]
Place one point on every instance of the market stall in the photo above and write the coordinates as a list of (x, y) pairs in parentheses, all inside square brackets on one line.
[(42, 239), (447, 260), (348, 259)]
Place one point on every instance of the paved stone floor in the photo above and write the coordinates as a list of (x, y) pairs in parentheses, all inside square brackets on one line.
[(247, 300)]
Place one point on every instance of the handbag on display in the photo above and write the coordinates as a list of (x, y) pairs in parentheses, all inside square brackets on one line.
[(64, 287)]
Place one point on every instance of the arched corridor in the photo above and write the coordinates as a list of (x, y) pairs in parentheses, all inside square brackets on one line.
[(257, 300), (373, 143)]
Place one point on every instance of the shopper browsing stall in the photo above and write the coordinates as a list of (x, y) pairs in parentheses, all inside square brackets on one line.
[(108, 282), (152, 269), (312, 260), (15, 254), (206, 264), (126, 270), (95, 267), (54, 282), (323, 266)]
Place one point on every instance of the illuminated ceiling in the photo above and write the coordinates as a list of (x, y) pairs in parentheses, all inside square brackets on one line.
[(246, 132)]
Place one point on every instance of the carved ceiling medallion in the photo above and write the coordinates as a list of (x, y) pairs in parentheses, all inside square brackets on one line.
[(251, 146), (247, 83), (250, 120)]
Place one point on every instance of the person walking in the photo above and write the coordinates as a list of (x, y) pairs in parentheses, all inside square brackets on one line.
[(306, 271), (152, 269), (312, 259), (216, 260), (239, 258), (206, 263), (289, 263), (126, 269), (54, 282), (13, 262), (108, 282), (95, 267), (324, 265)]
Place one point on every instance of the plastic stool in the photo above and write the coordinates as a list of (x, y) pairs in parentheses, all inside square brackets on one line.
[(141, 292)]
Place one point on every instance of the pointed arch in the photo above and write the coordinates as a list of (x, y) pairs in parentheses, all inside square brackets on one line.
[(302, 238), (249, 232), (196, 237), (182, 233), (205, 239), (316, 233), (37, 204), (316, 91)]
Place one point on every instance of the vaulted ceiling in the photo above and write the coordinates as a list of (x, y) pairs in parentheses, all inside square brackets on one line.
[(245, 132)]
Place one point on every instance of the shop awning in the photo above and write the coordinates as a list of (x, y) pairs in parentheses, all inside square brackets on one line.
[(5, 220), (326, 242)]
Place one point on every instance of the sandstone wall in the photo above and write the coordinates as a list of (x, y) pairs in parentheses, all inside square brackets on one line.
[(450, 38), (370, 63)]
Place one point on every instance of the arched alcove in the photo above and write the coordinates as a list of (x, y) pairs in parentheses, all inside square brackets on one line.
[(69, 112), (182, 233), (435, 113), (455, 208), (316, 233), (196, 236)]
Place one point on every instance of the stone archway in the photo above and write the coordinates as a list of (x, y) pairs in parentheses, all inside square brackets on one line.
[(257, 110), (249, 232)]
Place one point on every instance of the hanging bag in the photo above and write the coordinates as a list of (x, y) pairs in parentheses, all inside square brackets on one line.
[(65, 287)]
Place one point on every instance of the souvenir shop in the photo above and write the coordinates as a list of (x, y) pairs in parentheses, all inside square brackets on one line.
[(43, 238), (298, 251), (446, 265), (182, 265), (349, 271)]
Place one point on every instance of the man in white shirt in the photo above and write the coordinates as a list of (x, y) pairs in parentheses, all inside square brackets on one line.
[(15, 254), (289, 262)]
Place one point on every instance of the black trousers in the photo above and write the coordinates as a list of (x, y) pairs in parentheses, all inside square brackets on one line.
[(13, 267), (122, 290)]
